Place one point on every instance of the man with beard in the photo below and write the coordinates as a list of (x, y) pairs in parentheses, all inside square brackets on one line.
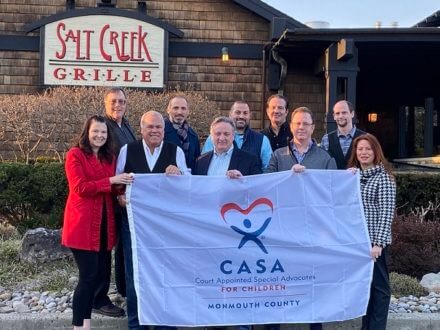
[(178, 131), (338, 143), (278, 132), (246, 138)]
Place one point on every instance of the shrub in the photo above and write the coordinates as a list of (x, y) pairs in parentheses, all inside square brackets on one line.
[(404, 285), (45, 124), (415, 249), (32, 195), (416, 190)]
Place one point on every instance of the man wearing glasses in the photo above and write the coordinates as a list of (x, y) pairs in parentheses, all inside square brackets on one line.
[(115, 104), (302, 152)]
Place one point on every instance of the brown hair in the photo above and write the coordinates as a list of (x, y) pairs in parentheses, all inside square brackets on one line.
[(379, 157), (106, 152), (302, 110), (278, 96)]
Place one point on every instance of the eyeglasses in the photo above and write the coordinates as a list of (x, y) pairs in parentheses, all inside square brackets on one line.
[(302, 124), (120, 102)]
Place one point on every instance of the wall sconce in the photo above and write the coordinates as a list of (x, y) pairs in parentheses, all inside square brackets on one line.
[(372, 117), (225, 54)]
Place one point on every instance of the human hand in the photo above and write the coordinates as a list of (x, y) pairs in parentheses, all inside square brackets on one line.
[(376, 252), (123, 178), (297, 168), (352, 170), (233, 174), (122, 201), (172, 170)]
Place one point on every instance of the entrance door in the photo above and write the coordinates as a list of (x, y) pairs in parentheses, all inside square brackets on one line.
[(419, 130)]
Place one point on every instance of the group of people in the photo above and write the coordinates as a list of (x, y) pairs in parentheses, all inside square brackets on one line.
[(107, 154)]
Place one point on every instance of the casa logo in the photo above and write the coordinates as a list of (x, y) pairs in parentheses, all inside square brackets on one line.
[(249, 223), (252, 230)]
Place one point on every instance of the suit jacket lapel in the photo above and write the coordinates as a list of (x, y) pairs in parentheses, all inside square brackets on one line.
[(235, 158)]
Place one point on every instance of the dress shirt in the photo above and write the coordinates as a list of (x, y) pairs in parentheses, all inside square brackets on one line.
[(220, 163), (151, 158), (298, 155), (265, 152), (344, 140)]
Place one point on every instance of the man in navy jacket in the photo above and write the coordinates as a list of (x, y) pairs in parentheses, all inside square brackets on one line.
[(178, 131), (226, 158)]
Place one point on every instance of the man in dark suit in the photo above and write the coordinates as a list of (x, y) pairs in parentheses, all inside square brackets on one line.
[(178, 130), (115, 104), (226, 158)]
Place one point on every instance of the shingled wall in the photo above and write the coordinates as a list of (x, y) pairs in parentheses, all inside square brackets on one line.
[(204, 21), (217, 21)]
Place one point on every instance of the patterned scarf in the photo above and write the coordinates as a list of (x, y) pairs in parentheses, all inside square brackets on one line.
[(182, 133)]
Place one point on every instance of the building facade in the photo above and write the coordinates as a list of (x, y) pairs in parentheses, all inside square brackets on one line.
[(389, 74)]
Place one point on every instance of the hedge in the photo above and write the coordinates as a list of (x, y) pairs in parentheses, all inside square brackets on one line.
[(34, 195), (417, 189)]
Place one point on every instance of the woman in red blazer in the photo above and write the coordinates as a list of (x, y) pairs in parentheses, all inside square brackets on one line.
[(89, 223)]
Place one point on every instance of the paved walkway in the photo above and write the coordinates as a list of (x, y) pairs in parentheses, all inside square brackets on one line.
[(63, 321)]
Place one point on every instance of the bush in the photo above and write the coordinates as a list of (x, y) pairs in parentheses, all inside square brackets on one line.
[(45, 124), (415, 249), (32, 195), (416, 190), (404, 285)]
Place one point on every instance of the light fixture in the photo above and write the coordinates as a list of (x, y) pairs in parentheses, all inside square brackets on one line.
[(225, 54), (372, 117)]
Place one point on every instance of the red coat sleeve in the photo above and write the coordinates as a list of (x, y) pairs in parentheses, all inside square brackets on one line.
[(80, 172)]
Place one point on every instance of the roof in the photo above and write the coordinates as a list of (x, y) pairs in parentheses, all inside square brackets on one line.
[(267, 12), (103, 11), (317, 40), (430, 21)]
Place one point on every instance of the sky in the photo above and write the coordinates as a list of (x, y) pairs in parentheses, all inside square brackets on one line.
[(358, 13)]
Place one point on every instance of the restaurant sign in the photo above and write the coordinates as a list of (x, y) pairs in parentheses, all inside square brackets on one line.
[(103, 50)]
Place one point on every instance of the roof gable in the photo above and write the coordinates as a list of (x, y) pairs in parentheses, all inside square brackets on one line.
[(267, 12)]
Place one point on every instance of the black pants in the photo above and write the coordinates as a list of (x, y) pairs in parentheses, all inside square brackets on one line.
[(93, 283), (380, 296), (312, 326), (119, 261)]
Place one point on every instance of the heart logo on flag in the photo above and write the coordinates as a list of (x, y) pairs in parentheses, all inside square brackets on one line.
[(232, 206), (249, 236)]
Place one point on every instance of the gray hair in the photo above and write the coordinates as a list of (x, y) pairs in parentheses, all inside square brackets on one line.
[(152, 113), (113, 90), (226, 120)]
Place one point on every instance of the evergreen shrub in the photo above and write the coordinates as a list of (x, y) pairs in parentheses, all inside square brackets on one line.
[(32, 195), (404, 285)]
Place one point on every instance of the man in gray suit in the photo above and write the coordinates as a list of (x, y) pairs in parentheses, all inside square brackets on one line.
[(302, 152)]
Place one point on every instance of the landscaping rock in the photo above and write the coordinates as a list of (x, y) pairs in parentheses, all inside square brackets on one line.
[(42, 245), (431, 282)]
